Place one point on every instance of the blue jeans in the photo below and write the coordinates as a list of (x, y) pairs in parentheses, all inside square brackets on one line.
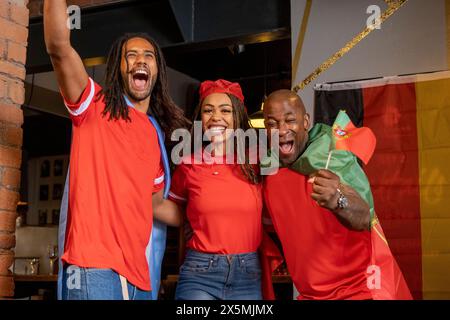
[(206, 276), (96, 284)]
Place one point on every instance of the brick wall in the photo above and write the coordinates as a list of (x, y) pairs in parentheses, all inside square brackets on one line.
[(14, 16), (35, 6)]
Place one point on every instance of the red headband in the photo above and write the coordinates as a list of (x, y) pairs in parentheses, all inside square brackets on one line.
[(221, 86)]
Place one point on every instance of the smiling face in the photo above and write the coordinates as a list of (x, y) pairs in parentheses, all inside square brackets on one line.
[(138, 68), (284, 110), (217, 116)]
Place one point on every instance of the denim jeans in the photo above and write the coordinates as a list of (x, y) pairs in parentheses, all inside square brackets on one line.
[(96, 284), (206, 276)]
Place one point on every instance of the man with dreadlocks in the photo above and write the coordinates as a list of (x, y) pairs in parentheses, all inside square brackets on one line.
[(115, 164)]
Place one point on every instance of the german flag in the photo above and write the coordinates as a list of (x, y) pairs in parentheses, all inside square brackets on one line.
[(409, 173)]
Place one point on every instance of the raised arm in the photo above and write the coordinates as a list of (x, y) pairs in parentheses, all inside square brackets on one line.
[(69, 69), (166, 211)]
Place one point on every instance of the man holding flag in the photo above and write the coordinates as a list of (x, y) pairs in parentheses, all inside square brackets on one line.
[(322, 208)]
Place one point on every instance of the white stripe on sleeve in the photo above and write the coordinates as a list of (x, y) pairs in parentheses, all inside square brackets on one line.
[(83, 107), (159, 180)]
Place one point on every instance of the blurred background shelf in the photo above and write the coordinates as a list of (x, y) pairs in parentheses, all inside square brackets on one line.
[(35, 278), (35, 287)]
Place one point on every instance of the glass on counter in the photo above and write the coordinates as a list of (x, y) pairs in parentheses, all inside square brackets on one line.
[(26, 265), (52, 251)]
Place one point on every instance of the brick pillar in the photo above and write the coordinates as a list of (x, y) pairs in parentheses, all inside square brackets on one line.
[(14, 17)]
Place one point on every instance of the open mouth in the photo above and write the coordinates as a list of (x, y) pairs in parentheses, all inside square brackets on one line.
[(140, 79), (286, 147)]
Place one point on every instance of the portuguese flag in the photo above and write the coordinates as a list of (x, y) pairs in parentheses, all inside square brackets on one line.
[(360, 141), (409, 172)]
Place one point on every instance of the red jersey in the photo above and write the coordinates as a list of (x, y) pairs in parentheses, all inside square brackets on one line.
[(325, 259), (222, 206), (114, 170)]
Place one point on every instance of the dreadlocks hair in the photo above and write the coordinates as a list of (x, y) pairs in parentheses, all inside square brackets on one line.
[(240, 121), (162, 107)]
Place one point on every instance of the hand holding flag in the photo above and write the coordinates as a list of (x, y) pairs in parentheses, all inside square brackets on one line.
[(325, 183)]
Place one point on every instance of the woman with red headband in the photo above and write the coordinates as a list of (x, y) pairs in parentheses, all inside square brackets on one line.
[(222, 202)]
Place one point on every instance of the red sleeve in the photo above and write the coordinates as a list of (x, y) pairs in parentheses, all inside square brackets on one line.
[(158, 183), (178, 192), (78, 109)]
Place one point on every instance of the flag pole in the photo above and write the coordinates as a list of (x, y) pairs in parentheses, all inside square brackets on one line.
[(329, 158)]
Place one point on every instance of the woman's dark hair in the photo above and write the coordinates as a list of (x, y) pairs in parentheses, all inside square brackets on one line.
[(162, 107), (240, 121)]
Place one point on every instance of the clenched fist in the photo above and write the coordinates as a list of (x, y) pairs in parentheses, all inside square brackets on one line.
[(325, 184)]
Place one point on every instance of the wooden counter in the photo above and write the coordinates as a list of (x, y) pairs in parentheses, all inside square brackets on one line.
[(35, 287), (35, 278)]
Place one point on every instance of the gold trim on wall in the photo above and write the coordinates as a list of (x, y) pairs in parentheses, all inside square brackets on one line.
[(393, 6)]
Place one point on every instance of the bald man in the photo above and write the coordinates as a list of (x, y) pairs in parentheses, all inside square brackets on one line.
[(323, 225)]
